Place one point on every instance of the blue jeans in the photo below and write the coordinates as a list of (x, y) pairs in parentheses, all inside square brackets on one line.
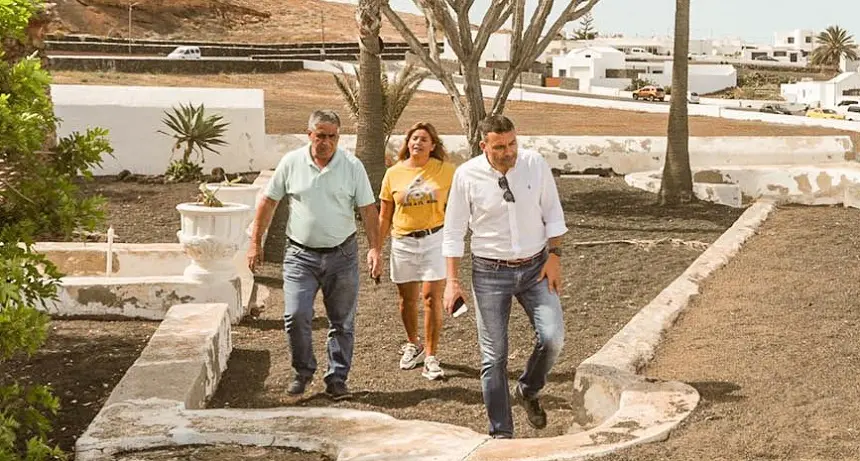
[(336, 273), (494, 286)]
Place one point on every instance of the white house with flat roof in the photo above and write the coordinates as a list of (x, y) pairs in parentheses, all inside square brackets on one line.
[(589, 66), (702, 79), (825, 94)]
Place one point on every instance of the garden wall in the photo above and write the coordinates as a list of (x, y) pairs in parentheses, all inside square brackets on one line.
[(133, 115)]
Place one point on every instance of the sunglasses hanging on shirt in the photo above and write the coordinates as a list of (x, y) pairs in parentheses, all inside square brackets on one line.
[(508, 195)]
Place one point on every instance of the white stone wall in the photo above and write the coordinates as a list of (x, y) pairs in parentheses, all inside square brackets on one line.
[(133, 115), (635, 153)]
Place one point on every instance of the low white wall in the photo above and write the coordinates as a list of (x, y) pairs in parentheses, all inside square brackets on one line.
[(803, 184), (624, 155), (133, 115)]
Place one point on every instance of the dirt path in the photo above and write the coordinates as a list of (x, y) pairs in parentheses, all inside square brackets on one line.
[(604, 286), (772, 347)]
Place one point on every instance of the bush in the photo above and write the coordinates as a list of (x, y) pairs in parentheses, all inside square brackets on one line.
[(38, 198)]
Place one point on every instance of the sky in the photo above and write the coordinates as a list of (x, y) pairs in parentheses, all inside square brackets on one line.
[(752, 20)]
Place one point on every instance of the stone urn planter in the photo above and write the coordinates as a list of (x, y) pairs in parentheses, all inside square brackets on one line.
[(211, 236), (246, 194)]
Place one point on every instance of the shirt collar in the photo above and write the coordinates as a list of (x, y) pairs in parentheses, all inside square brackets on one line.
[(336, 158), (485, 163)]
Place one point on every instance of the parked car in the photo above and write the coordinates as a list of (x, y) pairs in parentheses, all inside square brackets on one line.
[(775, 109), (185, 52), (852, 113), (692, 97), (824, 113), (765, 58), (650, 93)]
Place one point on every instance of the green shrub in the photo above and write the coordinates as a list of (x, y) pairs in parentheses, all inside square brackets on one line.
[(39, 198)]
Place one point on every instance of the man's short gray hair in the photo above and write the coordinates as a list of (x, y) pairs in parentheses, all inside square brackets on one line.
[(323, 116)]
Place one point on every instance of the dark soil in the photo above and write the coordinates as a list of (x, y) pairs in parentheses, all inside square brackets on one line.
[(222, 452), (772, 347), (604, 286), (82, 360)]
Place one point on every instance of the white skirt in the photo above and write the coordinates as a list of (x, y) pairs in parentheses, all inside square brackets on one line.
[(417, 259)]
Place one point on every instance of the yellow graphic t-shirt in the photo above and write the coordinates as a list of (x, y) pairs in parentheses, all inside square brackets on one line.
[(419, 195)]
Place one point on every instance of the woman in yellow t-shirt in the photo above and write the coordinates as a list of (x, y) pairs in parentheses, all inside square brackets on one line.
[(413, 196)]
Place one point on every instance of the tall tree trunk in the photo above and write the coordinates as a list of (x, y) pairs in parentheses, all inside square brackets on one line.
[(477, 110), (370, 141), (677, 183)]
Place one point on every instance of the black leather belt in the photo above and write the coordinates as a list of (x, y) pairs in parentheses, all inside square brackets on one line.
[(424, 232), (515, 262), (323, 249)]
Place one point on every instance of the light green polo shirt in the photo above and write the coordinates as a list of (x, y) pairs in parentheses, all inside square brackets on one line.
[(322, 201)]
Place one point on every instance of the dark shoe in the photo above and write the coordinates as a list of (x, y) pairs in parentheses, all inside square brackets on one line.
[(337, 390), (536, 415), (297, 387)]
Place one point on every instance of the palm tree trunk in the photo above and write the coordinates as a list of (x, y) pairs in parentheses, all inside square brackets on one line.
[(370, 142), (677, 183)]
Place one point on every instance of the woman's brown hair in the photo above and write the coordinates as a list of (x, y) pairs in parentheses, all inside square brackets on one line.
[(437, 153)]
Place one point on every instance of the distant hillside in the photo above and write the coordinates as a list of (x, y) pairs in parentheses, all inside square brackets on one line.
[(249, 21)]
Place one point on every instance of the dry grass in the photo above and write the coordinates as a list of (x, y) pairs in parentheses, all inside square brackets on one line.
[(288, 21), (290, 97)]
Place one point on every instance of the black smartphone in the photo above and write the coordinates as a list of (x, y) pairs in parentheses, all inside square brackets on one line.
[(460, 307)]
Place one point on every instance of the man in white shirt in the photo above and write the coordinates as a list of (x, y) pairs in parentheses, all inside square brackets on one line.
[(510, 202)]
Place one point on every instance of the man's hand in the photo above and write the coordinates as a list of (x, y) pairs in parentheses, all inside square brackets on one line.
[(452, 292), (255, 252), (374, 263), (552, 272)]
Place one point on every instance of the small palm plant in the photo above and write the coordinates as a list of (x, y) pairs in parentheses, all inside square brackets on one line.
[(396, 93), (207, 197), (193, 132)]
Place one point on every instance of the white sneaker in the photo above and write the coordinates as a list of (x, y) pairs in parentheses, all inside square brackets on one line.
[(432, 370), (411, 354)]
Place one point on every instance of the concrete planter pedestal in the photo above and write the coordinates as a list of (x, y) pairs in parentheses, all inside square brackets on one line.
[(211, 236)]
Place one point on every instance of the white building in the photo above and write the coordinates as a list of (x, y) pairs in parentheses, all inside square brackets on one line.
[(589, 66), (798, 40), (702, 79), (498, 49), (823, 94)]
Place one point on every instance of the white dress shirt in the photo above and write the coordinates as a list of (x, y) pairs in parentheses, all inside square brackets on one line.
[(500, 229)]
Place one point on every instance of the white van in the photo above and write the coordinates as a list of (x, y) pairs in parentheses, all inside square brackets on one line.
[(185, 52)]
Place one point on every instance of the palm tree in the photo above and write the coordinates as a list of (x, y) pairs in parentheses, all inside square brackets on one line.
[(834, 43), (396, 93), (369, 141), (676, 186)]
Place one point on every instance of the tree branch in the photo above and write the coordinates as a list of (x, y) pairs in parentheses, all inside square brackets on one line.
[(495, 17), (435, 66), (440, 13)]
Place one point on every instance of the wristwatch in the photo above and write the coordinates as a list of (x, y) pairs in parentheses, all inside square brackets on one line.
[(556, 251)]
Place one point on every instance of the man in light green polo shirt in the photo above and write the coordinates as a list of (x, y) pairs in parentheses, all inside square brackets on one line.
[(324, 185)]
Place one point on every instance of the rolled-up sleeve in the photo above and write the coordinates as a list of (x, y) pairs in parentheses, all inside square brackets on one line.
[(363, 189), (277, 187), (553, 214), (456, 217)]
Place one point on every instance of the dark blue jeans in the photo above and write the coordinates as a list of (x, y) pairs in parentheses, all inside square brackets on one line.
[(336, 273), (494, 286)]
